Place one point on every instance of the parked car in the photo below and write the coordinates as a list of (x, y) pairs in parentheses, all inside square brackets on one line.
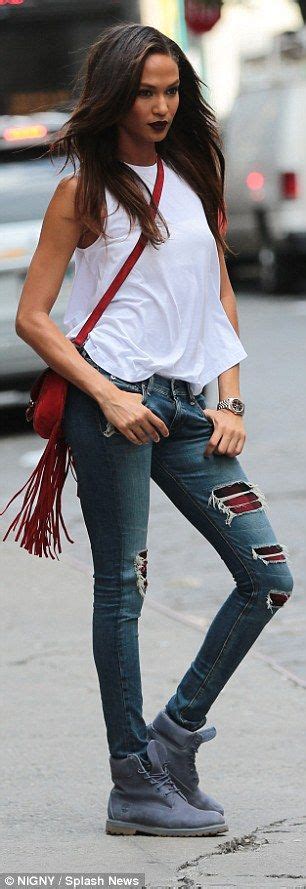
[(27, 182), (264, 144)]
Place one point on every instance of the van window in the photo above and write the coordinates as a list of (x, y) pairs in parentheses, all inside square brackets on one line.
[(253, 122)]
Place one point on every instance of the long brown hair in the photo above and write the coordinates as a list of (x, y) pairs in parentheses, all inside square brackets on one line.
[(192, 147)]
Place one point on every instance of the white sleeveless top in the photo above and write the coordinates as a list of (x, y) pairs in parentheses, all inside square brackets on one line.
[(167, 316)]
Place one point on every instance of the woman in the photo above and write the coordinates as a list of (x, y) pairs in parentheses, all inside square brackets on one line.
[(135, 406)]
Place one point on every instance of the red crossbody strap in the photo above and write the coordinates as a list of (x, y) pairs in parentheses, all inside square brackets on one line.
[(127, 265)]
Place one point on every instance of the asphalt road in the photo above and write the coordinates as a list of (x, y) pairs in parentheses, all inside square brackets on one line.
[(185, 574)]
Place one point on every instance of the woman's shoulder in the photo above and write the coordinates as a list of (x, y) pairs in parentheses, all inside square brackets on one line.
[(66, 191), (60, 218), (65, 197)]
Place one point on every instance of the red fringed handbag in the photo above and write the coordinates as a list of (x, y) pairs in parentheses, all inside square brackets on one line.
[(40, 516)]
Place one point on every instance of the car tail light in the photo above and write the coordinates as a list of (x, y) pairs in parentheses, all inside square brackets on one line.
[(255, 180), (289, 185), (33, 131)]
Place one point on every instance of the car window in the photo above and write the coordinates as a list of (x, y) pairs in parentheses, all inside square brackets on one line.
[(27, 187)]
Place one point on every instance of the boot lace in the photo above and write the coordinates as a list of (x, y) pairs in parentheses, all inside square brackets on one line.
[(191, 754), (163, 782)]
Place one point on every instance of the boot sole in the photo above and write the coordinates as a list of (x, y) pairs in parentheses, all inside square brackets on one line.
[(130, 828)]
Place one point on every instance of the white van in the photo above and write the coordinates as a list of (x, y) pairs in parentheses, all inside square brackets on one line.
[(265, 152)]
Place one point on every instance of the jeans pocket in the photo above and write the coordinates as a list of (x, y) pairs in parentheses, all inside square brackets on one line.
[(201, 401), (124, 386)]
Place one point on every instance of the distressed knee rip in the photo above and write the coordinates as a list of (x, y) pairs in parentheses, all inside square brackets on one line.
[(141, 565), (273, 554), (276, 598), (237, 498)]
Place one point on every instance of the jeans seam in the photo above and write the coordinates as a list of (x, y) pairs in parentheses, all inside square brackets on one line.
[(219, 656), (118, 647), (112, 466), (177, 412), (251, 596)]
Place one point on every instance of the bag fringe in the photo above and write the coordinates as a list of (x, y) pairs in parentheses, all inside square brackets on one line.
[(41, 521)]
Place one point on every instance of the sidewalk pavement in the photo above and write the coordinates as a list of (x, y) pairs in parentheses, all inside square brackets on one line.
[(56, 778)]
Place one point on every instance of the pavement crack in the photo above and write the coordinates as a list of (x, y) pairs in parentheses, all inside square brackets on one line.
[(286, 876), (252, 841), (248, 841)]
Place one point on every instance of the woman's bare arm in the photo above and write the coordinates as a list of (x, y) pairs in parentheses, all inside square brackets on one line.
[(228, 382), (229, 433), (59, 237)]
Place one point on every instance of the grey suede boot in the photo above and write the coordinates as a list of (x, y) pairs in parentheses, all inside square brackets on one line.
[(181, 746), (147, 801)]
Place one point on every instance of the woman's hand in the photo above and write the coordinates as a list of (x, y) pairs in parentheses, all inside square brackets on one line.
[(229, 434), (125, 411)]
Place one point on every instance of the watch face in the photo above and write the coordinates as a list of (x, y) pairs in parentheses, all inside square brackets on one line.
[(237, 405)]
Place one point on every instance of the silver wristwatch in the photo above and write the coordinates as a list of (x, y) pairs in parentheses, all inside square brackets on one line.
[(233, 404)]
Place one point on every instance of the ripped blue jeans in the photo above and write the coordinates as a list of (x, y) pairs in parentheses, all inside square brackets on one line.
[(218, 499)]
